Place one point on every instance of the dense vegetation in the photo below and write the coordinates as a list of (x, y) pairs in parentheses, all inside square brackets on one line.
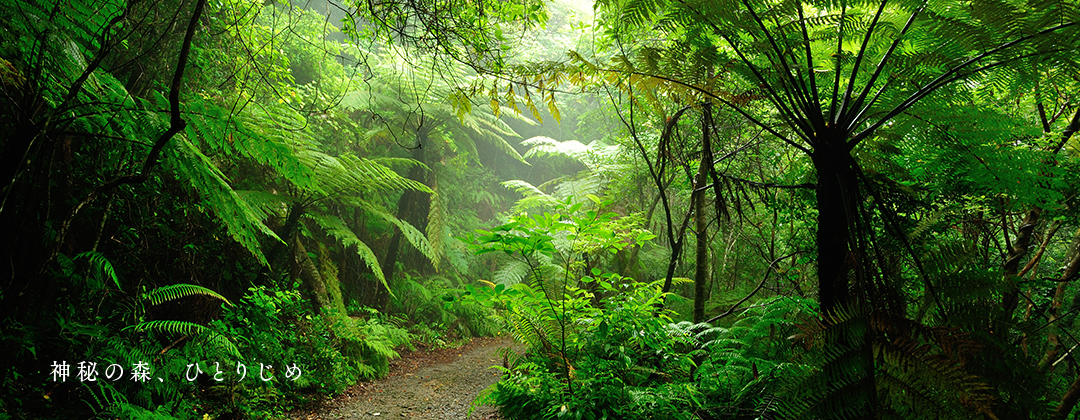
[(692, 209)]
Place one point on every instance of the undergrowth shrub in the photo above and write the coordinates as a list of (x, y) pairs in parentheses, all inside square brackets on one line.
[(602, 346), (616, 359), (273, 327), (436, 314)]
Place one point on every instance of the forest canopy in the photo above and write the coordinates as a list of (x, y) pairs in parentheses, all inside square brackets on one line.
[(692, 209)]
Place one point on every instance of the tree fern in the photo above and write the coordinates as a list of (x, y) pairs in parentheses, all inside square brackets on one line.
[(533, 197), (410, 97), (919, 371), (410, 232), (437, 229)]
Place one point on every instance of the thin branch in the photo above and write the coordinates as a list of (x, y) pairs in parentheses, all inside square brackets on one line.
[(805, 186), (768, 270)]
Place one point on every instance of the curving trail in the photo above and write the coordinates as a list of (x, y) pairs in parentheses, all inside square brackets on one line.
[(423, 385)]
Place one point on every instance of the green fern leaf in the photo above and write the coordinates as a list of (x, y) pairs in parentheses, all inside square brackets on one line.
[(180, 290), (337, 228), (242, 222)]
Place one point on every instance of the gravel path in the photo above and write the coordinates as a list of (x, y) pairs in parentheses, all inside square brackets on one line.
[(432, 385)]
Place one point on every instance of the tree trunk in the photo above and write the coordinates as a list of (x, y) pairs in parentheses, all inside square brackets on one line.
[(1019, 249), (291, 222), (701, 225), (1071, 270), (839, 259), (304, 268), (1068, 402), (412, 208), (837, 194)]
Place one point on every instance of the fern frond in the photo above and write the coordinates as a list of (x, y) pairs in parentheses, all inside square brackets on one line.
[(410, 232), (191, 329), (533, 197), (171, 327), (242, 222), (102, 265), (180, 290), (437, 232), (265, 204), (547, 146), (337, 228), (511, 273)]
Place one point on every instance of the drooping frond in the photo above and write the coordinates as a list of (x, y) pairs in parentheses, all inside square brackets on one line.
[(918, 370), (337, 228), (533, 197), (243, 223), (547, 146), (266, 204), (437, 230), (191, 329), (102, 265), (181, 290), (264, 134), (349, 174), (513, 272), (410, 232)]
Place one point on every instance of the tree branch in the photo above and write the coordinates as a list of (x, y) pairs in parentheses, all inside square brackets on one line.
[(176, 125)]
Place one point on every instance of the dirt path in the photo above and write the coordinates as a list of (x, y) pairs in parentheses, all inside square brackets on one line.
[(432, 385)]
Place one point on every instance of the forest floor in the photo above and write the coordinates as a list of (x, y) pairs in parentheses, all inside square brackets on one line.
[(424, 384)]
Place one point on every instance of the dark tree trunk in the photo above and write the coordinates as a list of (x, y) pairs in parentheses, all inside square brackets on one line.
[(1019, 249), (839, 259), (837, 194), (1068, 402), (413, 208), (291, 222)]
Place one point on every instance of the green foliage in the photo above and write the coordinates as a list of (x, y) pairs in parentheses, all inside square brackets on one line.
[(180, 290), (598, 349), (437, 313), (201, 333), (332, 350)]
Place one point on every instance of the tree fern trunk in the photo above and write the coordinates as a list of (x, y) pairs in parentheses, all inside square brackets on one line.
[(412, 208), (291, 221), (837, 192), (838, 259), (304, 268)]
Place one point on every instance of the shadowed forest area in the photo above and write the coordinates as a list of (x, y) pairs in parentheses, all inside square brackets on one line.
[(682, 209)]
